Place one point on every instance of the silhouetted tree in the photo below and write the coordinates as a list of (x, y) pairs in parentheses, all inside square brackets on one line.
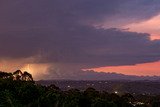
[(17, 75), (27, 76), (5, 75)]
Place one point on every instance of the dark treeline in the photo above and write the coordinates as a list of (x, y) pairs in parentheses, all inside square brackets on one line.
[(19, 90)]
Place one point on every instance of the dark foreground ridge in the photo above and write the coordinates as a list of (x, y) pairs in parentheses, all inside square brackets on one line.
[(17, 90)]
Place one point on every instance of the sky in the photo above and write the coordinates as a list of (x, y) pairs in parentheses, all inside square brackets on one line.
[(74, 39)]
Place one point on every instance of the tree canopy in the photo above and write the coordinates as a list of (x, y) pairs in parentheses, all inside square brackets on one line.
[(18, 89)]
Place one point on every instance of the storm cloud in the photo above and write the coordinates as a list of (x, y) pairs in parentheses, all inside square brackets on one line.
[(65, 33)]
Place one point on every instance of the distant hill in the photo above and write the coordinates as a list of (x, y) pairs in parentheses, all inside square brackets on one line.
[(92, 75)]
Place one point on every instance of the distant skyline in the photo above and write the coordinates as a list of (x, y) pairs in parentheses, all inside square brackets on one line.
[(57, 39)]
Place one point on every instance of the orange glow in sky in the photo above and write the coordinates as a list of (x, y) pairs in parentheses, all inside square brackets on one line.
[(139, 69), (151, 26), (37, 70)]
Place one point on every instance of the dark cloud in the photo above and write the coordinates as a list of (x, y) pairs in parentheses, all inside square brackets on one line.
[(52, 12), (84, 45), (62, 32)]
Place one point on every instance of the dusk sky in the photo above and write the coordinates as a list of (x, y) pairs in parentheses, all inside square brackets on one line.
[(59, 39)]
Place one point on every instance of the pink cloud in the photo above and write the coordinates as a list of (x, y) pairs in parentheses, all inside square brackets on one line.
[(150, 26), (138, 69)]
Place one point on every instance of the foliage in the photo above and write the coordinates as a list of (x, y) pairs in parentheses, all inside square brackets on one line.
[(17, 75), (19, 90)]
